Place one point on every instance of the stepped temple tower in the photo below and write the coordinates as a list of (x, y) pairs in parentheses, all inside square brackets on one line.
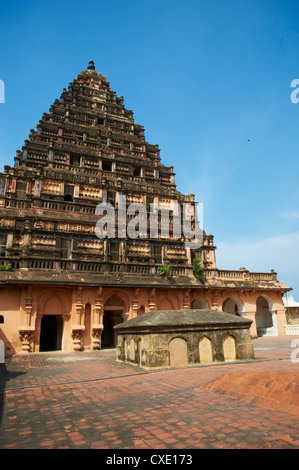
[(63, 286)]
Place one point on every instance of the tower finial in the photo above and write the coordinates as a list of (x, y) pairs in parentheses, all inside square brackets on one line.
[(91, 65)]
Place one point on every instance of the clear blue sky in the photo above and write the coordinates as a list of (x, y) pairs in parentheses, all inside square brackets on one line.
[(209, 81)]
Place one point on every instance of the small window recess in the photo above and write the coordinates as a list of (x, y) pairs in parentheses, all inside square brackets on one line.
[(137, 171), (114, 251), (3, 242), (111, 197), (158, 254), (66, 248), (21, 189), (106, 165), (79, 136), (68, 193)]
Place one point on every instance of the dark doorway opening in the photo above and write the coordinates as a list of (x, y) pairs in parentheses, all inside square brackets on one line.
[(51, 333), (111, 318)]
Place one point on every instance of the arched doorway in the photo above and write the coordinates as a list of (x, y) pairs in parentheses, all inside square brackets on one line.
[(51, 333), (113, 315), (141, 310), (167, 301), (233, 305), (166, 304), (264, 318), (199, 303)]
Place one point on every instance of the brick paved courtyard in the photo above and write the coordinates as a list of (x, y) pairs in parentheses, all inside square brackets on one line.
[(88, 401)]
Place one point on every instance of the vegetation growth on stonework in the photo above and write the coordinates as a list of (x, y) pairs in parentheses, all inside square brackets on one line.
[(5, 268), (164, 270), (197, 269)]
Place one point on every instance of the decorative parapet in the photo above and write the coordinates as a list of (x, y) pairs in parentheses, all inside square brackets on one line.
[(76, 265), (242, 274), (291, 330)]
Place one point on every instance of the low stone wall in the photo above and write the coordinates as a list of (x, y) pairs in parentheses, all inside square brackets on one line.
[(208, 337)]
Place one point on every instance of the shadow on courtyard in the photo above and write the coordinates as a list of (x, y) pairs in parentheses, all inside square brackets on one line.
[(5, 376)]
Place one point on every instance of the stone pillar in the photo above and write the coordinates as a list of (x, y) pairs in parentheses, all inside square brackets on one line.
[(79, 306), (122, 252), (27, 243), (186, 300), (214, 300), (9, 242), (250, 309), (188, 254), (135, 304), (28, 306), (77, 328), (281, 320), (125, 316), (106, 247), (26, 331), (97, 325), (135, 307)]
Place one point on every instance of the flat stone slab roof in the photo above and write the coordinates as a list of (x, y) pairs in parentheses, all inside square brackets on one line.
[(180, 318)]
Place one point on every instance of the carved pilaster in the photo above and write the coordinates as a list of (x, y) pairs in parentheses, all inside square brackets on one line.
[(97, 327), (215, 301), (152, 300), (186, 300), (135, 304), (28, 306), (79, 306), (99, 305), (125, 316)]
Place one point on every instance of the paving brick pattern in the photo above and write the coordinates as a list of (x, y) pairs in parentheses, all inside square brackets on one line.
[(56, 401)]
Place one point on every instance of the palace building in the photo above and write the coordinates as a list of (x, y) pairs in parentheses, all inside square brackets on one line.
[(64, 287)]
